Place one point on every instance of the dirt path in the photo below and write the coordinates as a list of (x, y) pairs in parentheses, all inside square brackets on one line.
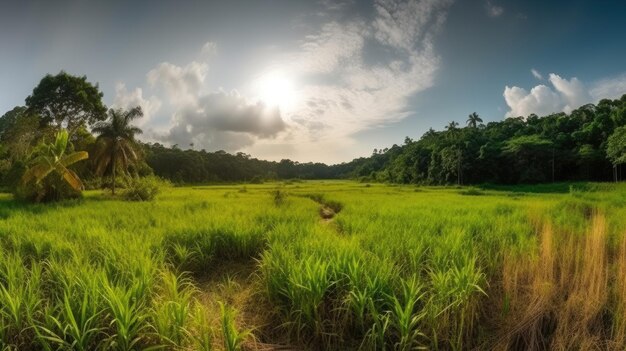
[(237, 284)]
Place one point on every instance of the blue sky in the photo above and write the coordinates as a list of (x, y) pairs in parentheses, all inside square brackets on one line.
[(318, 81)]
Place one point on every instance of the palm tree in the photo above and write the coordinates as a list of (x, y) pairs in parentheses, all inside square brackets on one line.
[(430, 132), (473, 120), (452, 125), (52, 158), (115, 144)]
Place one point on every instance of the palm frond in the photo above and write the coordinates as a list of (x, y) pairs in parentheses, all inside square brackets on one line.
[(102, 163), (70, 177), (129, 148), (133, 113), (37, 172), (60, 143), (73, 158), (134, 130)]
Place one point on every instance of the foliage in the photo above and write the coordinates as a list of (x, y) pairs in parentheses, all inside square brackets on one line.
[(48, 174), (233, 338), (116, 146), (144, 188), (616, 146), (557, 147), (66, 101)]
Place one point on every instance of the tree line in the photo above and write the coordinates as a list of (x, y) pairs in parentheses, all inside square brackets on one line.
[(587, 144)]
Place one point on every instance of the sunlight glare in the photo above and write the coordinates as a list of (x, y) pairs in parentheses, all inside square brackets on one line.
[(275, 88)]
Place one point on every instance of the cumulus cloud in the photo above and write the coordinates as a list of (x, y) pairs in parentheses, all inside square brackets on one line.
[(181, 83), (565, 95), (211, 120), (572, 92), (493, 10), (536, 74), (540, 100), (223, 120), (125, 99)]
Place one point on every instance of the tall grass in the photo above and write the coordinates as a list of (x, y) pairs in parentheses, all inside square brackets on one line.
[(394, 269)]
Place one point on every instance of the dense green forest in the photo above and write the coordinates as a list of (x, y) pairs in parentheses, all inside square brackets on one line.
[(587, 144)]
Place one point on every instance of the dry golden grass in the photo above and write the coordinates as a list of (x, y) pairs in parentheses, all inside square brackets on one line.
[(584, 290), (529, 286), (558, 297), (619, 327)]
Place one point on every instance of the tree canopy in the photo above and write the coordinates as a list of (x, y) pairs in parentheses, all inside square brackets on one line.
[(67, 101), (616, 146)]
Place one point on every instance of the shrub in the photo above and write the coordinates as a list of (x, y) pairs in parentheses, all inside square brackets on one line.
[(256, 180), (471, 192), (53, 188), (144, 189), (279, 197)]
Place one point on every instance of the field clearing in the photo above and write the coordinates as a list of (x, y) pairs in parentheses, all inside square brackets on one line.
[(318, 265)]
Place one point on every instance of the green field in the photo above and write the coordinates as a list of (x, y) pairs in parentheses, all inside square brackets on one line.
[(318, 265)]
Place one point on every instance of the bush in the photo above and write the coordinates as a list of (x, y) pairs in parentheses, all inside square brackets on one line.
[(472, 192), (256, 180), (53, 188), (144, 189), (279, 197)]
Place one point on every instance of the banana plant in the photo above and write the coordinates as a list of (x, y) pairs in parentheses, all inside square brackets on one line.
[(52, 158)]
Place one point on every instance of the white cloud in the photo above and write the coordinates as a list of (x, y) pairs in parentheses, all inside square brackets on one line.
[(572, 92), (349, 75), (536, 74), (210, 120), (610, 88), (128, 99), (335, 44), (346, 94), (493, 10), (181, 83), (540, 100), (564, 95)]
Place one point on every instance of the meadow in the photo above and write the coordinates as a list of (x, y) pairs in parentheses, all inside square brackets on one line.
[(318, 265)]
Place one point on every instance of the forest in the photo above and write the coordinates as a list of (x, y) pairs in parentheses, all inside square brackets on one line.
[(586, 144)]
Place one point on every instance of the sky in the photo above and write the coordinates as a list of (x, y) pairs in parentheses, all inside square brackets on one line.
[(323, 81)]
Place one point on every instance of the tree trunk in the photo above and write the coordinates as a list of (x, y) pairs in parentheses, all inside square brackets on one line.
[(552, 165), (113, 171), (459, 176)]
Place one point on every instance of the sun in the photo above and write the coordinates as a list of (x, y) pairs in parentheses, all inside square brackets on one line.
[(275, 89)]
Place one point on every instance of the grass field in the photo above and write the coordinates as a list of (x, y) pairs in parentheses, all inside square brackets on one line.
[(318, 265)]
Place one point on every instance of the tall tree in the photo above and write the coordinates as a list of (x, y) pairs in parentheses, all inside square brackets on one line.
[(67, 101), (616, 149), (116, 145), (452, 126), (473, 120)]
